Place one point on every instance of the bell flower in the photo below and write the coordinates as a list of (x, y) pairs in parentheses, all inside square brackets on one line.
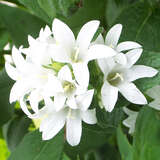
[(112, 39), (119, 77), (64, 89), (52, 122), (77, 52), (30, 78)]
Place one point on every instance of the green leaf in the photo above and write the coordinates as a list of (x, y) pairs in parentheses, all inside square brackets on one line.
[(20, 24), (34, 7), (152, 3), (68, 7), (57, 8), (90, 10), (15, 130), (4, 153), (65, 157), (32, 147), (6, 109), (92, 137), (125, 148), (49, 7), (114, 8), (109, 121), (146, 139), (109, 151), (143, 28), (4, 38)]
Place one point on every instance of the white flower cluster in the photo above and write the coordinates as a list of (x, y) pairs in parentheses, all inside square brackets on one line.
[(52, 80)]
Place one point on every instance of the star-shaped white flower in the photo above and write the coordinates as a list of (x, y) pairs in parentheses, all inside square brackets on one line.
[(76, 51), (19, 73), (131, 120), (155, 94), (64, 89), (112, 39), (52, 121), (120, 77), (30, 79)]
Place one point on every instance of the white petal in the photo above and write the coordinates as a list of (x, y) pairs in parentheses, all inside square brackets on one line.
[(154, 92), (123, 46), (58, 53), (121, 58), (17, 58), (24, 107), (89, 116), (34, 99), (130, 123), (113, 35), (12, 71), (18, 90), (109, 96), (59, 101), (99, 40), (140, 71), (86, 34), (56, 123), (44, 33), (53, 85), (48, 120), (65, 74), (40, 114), (132, 93), (71, 102), (73, 130), (84, 100), (155, 104), (63, 34), (128, 111), (31, 40), (133, 56), (81, 73), (106, 65), (8, 58), (98, 51), (48, 102)]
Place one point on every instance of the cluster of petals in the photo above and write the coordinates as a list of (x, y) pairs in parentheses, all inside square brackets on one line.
[(52, 80), (120, 70)]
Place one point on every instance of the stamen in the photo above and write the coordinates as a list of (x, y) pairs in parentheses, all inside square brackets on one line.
[(115, 78), (75, 54)]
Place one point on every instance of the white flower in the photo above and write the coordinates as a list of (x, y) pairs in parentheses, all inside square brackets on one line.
[(155, 94), (77, 52), (64, 89), (19, 73), (112, 39), (120, 77), (131, 120), (30, 79), (37, 52), (52, 121)]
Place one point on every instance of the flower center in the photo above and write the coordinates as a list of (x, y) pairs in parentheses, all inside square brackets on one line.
[(69, 88), (75, 55), (115, 78)]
